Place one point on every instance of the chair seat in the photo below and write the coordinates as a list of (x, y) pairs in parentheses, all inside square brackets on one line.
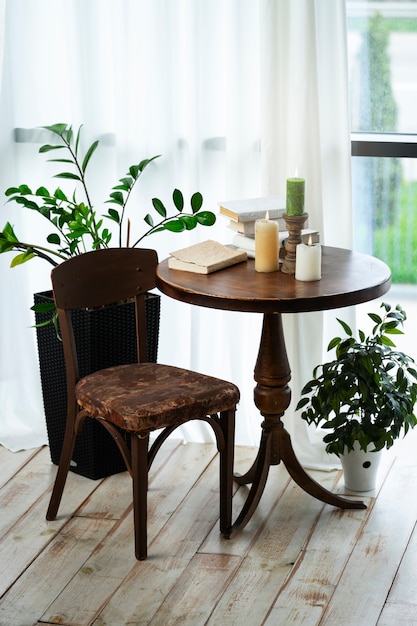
[(149, 396)]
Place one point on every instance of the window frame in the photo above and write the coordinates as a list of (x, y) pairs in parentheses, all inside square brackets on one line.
[(395, 145)]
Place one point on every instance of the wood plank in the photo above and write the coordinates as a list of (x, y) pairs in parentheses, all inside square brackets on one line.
[(402, 599), (271, 559), (32, 533), (110, 564), (311, 584), (199, 589), (12, 462), (292, 564), (378, 552), (42, 582), (404, 587), (17, 497), (398, 615), (143, 591)]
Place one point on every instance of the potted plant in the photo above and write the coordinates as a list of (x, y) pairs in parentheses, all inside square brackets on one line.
[(103, 337), (364, 399)]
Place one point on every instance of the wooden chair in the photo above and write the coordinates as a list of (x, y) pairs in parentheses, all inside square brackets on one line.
[(137, 398)]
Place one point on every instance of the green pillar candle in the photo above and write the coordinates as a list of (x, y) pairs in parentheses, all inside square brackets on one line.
[(295, 196)]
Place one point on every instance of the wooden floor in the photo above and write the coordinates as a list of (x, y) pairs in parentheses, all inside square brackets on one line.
[(297, 562)]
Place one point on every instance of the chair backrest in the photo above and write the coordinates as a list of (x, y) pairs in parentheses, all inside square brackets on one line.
[(96, 279), (103, 277)]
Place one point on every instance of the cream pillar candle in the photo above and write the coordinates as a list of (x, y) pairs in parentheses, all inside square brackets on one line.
[(266, 245), (308, 262)]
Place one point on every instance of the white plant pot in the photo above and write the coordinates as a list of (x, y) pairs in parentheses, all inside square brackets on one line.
[(360, 469)]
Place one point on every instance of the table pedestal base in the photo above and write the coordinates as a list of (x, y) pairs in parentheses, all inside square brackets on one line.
[(272, 397)]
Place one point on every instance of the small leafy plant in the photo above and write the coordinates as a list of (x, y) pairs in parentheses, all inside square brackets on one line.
[(76, 226), (367, 394)]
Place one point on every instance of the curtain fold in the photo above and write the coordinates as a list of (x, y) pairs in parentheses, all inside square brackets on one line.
[(235, 95), (305, 129)]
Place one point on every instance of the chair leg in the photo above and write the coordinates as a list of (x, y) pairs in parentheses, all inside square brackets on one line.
[(62, 473), (139, 452), (227, 422)]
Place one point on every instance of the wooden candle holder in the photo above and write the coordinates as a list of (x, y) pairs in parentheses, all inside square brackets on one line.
[(295, 225)]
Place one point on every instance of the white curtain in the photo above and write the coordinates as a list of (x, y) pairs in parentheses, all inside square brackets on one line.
[(235, 94)]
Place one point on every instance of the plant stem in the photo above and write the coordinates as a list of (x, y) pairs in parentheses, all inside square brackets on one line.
[(96, 237), (40, 252)]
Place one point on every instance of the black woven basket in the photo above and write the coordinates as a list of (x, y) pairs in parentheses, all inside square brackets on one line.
[(104, 337)]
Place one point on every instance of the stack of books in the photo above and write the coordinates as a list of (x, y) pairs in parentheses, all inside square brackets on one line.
[(243, 214)]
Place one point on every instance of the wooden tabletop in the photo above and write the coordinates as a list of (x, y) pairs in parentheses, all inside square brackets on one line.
[(348, 278)]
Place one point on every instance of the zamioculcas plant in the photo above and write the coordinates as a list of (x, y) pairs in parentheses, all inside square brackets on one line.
[(76, 225)]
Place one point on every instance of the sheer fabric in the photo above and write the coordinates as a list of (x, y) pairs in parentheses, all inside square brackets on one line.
[(235, 95)]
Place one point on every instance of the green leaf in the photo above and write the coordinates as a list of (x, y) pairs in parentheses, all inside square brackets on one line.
[(134, 171), (68, 137), (88, 155), (77, 139), (116, 197), (206, 218), (345, 327), (196, 202), (175, 226), (387, 341), (393, 331), (6, 246), (60, 195), (67, 175), (114, 215), (178, 199), (11, 191), (43, 307), (148, 219), (159, 207), (61, 160), (22, 258), (146, 162), (302, 403), (58, 129), (25, 190), (54, 239), (190, 221), (126, 184), (42, 191), (8, 233), (49, 148), (28, 204), (375, 318)]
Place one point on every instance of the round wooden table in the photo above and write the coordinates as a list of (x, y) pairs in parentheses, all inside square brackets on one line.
[(348, 278)]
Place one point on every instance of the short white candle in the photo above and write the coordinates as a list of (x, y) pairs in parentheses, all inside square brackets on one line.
[(308, 262), (266, 245)]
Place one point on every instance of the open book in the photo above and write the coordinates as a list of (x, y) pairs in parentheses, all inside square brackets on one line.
[(205, 257)]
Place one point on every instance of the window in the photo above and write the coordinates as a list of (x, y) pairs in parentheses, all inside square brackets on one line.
[(382, 42)]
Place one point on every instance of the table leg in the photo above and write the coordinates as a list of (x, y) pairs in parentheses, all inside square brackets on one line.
[(272, 396)]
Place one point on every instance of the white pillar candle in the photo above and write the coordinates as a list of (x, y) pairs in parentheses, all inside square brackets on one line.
[(266, 245), (308, 262)]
